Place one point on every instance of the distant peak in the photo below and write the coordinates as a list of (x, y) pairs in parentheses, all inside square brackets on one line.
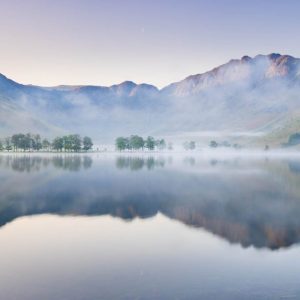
[(128, 83), (147, 86), (246, 58), (274, 56)]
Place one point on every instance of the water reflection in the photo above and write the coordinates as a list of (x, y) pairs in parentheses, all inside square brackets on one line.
[(31, 163), (138, 163), (190, 161), (252, 203), (294, 166)]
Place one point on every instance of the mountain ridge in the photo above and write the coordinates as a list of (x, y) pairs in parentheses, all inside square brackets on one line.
[(276, 64), (241, 95), (277, 60)]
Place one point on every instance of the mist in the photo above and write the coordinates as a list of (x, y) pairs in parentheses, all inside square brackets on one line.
[(242, 101)]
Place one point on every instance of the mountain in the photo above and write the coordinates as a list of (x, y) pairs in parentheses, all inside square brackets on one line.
[(247, 96), (246, 71), (83, 109)]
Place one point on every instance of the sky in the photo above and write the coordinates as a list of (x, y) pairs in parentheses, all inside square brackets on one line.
[(103, 42)]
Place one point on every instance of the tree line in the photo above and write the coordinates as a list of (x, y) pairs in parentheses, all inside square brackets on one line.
[(135, 142), (226, 144), (34, 142)]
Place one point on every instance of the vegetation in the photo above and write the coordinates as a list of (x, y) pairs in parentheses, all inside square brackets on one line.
[(150, 143), (189, 145), (135, 142), (87, 143), (33, 142), (282, 136), (213, 144), (226, 144), (294, 139), (160, 144)]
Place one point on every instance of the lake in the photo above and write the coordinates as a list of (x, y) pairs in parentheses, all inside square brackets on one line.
[(149, 226)]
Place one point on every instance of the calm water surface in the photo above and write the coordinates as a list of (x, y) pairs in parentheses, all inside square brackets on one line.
[(79, 227)]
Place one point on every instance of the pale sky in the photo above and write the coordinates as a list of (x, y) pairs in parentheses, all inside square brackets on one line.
[(51, 42)]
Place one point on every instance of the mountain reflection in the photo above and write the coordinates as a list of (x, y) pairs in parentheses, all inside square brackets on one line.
[(252, 203), (28, 163)]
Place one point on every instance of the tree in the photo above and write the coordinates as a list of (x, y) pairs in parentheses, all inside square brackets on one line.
[(27, 142), (192, 145), (15, 140), (8, 145), (186, 146), (225, 144), (87, 143), (20, 141), (72, 142), (213, 144), (122, 143), (294, 139), (46, 144), (161, 144), (67, 143), (36, 142), (136, 142), (1, 146), (58, 143), (189, 145), (237, 146), (150, 143), (75, 142)]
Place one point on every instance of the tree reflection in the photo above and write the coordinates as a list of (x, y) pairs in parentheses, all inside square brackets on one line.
[(28, 163), (138, 163)]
